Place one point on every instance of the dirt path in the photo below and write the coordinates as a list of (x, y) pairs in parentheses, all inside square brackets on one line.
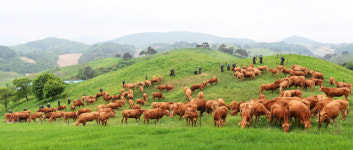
[(28, 60), (68, 59)]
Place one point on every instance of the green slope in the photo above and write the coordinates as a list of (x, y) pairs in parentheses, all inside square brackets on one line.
[(170, 133)]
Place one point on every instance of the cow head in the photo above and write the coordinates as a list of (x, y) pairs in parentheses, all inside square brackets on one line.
[(286, 126), (307, 124), (243, 124), (166, 113)]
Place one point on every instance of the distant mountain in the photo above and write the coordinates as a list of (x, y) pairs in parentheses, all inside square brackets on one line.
[(142, 40), (300, 41), (52, 44)]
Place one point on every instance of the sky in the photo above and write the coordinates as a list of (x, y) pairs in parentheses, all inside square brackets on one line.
[(91, 21)]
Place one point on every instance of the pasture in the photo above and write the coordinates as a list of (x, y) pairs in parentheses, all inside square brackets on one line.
[(171, 133)]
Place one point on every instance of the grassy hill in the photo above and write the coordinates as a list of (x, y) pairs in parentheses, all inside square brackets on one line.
[(170, 133), (7, 77)]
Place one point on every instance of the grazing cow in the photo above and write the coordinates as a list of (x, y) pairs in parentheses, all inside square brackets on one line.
[(180, 109), (239, 75), (48, 115), (259, 109), (267, 87), (170, 87), (145, 97), (159, 95), (262, 68), (341, 85), (257, 72), (160, 78), (7, 117), (280, 67), (73, 107), (72, 115), (204, 84), (83, 118), (249, 74), (286, 71), (140, 101), (262, 97), (274, 71), (318, 82), (147, 83), (56, 115), (131, 103), (114, 105), (78, 103), (283, 85), (137, 106), (36, 115), (201, 104), (83, 110), (141, 83), (187, 92), (220, 116), (211, 81), (200, 95), (319, 106), (335, 92), (297, 82), (154, 80), (141, 89), (191, 115), (279, 111), (332, 81), (246, 116), (161, 87), (234, 108), (104, 116), (343, 108), (313, 101), (211, 105), (156, 113), (309, 83), (300, 112), (19, 116), (196, 86), (62, 107), (132, 113), (293, 93), (105, 110), (329, 112), (317, 75), (297, 73)]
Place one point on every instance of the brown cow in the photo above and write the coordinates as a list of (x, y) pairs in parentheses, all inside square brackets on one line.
[(201, 104), (48, 115), (36, 115), (211, 105), (7, 117), (156, 113), (196, 86), (170, 87), (332, 81), (147, 83), (249, 74), (341, 85), (72, 115), (234, 108), (137, 106), (274, 71), (294, 93), (46, 110), (154, 80), (318, 82), (267, 87), (73, 107), (204, 84), (84, 110), (19, 116), (343, 108), (211, 81), (141, 89), (62, 107), (104, 116), (187, 92), (132, 113), (191, 115), (200, 95), (300, 112), (114, 105), (220, 116), (317, 75), (83, 118), (131, 103), (159, 95), (335, 92), (140, 101), (145, 97), (56, 115), (279, 111), (319, 106), (283, 85), (180, 109), (310, 83), (258, 110), (329, 112), (78, 103), (161, 87), (246, 116), (262, 68)]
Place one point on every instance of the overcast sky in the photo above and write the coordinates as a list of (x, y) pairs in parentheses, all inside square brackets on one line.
[(100, 20)]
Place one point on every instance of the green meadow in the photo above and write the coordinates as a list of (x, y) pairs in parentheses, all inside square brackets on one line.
[(172, 133)]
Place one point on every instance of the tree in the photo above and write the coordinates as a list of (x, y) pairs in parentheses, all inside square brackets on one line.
[(88, 72), (241, 52), (39, 82), (349, 65), (23, 87), (117, 56), (5, 94), (142, 53), (127, 55), (150, 51), (53, 87)]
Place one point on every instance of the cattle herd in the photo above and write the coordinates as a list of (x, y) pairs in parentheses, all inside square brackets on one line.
[(289, 104)]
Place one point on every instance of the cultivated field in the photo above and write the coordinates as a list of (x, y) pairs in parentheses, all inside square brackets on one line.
[(68, 59), (171, 133)]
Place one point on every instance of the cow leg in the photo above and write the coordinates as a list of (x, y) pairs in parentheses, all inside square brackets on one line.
[(122, 119)]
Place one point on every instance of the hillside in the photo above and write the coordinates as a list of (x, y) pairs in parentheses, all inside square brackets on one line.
[(7, 77), (142, 40), (170, 133), (52, 44)]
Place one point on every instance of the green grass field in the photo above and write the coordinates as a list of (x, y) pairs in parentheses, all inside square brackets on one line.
[(171, 133)]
